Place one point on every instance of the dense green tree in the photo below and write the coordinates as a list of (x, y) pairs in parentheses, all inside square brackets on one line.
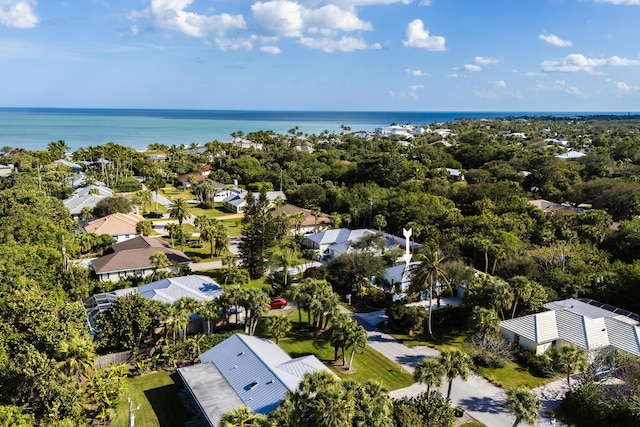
[(456, 363), (257, 235), (278, 326), (524, 405), (111, 205), (125, 324)]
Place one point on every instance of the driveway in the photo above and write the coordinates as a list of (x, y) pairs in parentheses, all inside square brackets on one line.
[(480, 399)]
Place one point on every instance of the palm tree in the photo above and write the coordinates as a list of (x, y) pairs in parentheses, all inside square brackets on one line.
[(282, 258), (209, 313), (570, 359), (428, 272), (144, 198), (278, 326), (179, 210), (159, 261), (356, 339), (256, 302), (380, 222), (338, 333), (524, 405), (429, 372), (155, 184), (144, 227), (456, 363), (241, 417)]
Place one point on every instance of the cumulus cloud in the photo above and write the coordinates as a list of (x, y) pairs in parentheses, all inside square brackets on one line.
[(577, 62), (472, 67), (279, 18), (453, 75), (415, 73), (18, 13), (345, 44), (274, 50), (416, 36), (554, 40), (622, 88), (500, 83), (330, 18), (416, 87), (171, 15)]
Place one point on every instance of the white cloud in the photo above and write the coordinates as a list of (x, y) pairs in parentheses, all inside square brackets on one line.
[(415, 73), (416, 36), (500, 83), (18, 13), (425, 3), (481, 60), (171, 15), (624, 2), (577, 62), (233, 44), (453, 75), (274, 50), (561, 86), (416, 87), (555, 40), (472, 67), (534, 74), (622, 88), (331, 18), (280, 18), (345, 44)]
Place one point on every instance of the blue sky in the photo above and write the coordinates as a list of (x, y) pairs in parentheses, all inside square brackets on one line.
[(371, 55)]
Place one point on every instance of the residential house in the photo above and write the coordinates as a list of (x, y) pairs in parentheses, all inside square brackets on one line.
[(236, 202), (395, 130), (186, 179), (170, 290), (73, 166), (309, 224), (330, 244), (583, 322), (86, 197), (571, 154), (133, 258), (244, 371), (6, 170), (400, 276), (118, 225)]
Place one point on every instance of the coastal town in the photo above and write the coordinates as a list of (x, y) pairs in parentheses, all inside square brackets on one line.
[(476, 272)]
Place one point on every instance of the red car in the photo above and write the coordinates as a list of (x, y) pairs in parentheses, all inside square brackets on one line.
[(278, 302)]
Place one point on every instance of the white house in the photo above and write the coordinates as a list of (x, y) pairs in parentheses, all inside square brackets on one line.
[(586, 323), (244, 371)]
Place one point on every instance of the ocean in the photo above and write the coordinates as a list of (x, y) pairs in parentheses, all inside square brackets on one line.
[(34, 128)]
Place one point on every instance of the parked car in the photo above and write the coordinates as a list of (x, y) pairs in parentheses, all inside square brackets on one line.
[(278, 302), (152, 215)]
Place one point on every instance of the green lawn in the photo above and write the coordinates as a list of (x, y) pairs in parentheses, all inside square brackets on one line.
[(510, 376), (157, 395), (234, 226), (367, 365)]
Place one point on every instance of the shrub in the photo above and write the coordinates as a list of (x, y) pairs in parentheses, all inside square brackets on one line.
[(541, 365)]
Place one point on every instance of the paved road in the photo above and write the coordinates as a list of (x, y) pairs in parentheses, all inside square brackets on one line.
[(480, 399)]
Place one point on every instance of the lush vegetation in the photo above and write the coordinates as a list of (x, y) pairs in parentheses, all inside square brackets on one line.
[(588, 247)]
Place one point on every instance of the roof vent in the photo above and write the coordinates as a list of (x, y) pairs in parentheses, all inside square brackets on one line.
[(241, 353), (253, 385)]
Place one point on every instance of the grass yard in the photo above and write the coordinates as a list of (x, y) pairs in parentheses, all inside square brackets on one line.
[(234, 226), (173, 193), (157, 395), (510, 376), (367, 365)]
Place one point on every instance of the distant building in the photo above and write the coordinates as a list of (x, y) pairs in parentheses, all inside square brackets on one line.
[(571, 154), (310, 224), (6, 170), (236, 202), (244, 371)]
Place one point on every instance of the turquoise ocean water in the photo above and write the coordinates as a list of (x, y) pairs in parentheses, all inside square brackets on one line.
[(34, 128)]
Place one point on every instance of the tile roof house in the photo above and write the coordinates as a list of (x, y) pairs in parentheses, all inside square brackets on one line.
[(244, 370), (133, 258), (585, 323), (118, 225), (310, 224)]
